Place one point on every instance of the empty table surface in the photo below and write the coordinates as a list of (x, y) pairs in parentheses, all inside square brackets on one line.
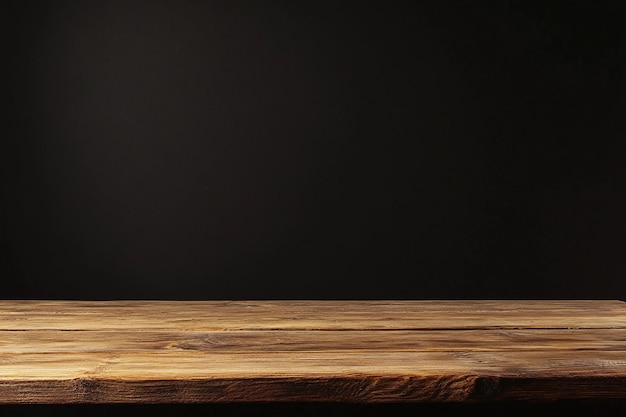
[(352, 351)]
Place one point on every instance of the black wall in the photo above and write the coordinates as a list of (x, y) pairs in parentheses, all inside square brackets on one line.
[(252, 150), (215, 150), (218, 150)]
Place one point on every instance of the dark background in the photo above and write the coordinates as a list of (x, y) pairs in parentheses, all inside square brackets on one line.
[(254, 150), (243, 150)]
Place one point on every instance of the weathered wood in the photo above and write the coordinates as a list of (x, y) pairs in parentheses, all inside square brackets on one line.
[(303, 315), (356, 351), (35, 341)]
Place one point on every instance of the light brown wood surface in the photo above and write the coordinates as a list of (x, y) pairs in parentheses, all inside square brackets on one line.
[(354, 351)]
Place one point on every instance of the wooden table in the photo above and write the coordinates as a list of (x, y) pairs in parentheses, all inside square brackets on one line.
[(284, 351)]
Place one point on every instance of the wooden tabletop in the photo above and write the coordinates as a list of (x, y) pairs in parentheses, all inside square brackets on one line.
[(353, 351)]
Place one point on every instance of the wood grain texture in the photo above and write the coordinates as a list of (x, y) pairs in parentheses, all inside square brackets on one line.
[(353, 351)]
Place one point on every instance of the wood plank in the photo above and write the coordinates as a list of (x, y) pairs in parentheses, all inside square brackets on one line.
[(356, 351), (43, 341), (302, 315), (137, 365), (301, 376)]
